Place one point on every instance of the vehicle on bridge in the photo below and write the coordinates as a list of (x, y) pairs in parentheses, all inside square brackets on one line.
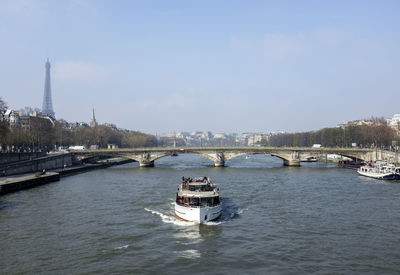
[(77, 147), (197, 200)]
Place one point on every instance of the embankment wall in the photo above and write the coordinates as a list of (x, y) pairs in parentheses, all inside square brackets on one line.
[(16, 157), (47, 162)]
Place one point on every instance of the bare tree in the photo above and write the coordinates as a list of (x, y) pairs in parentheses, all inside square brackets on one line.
[(3, 106), (26, 111), (4, 128)]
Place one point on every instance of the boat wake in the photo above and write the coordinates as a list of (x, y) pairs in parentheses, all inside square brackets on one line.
[(169, 218), (229, 212), (189, 254), (121, 247), (115, 248)]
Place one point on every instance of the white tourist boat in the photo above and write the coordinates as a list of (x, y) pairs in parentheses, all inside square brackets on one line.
[(197, 200), (381, 170)]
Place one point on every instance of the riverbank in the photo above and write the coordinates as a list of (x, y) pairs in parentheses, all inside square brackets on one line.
[(16, 183), (76, 169), (24, 181)]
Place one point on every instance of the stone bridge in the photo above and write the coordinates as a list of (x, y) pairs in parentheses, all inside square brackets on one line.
[(291, 156)]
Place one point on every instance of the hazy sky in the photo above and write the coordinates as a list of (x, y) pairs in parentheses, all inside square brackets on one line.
[(225, 66)]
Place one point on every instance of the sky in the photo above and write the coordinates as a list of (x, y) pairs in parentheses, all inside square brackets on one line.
[(221, 66)]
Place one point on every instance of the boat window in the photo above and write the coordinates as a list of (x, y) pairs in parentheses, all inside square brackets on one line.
[(179, 200), (194, 201), (204, 202), (199, 187)]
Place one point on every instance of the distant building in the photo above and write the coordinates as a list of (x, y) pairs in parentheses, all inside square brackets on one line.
[(111, 125), (279, 132), (47, 107), (254, 140), (219, 136), (25, 121), (36, 120), (83, 124), (360, 122), (195, 133), (206, 136), (182, 135), (73, 125), (93, 122), (12, 117), (241, 139), (112, 146), (394, 122)]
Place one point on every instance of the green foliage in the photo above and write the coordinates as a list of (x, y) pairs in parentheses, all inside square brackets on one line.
[(376, 133)]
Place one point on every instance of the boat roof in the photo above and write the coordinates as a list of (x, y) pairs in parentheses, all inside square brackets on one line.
[(198, 194), (196, 183)]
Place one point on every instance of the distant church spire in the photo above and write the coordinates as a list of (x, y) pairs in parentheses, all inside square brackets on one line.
[(93, 121), (47, 107)]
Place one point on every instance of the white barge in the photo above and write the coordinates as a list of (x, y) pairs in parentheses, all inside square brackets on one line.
[(197, 200), (380, 170)]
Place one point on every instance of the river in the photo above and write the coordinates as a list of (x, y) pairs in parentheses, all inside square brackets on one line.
[(276, 220)]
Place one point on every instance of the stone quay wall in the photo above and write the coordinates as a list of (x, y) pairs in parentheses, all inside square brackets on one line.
[(16, 157), (47, 162)]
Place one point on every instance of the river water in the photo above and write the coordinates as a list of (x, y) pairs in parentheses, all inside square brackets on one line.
[(276, 220)]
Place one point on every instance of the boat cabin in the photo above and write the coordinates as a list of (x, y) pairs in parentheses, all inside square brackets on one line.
[(191, 201), (200, 187), (199, 192)]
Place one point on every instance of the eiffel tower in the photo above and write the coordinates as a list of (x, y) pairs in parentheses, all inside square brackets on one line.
[(47, 107)]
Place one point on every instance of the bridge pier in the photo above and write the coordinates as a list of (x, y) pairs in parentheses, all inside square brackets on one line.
[(146, 160), (295, 163), (219, 160), (146, 163)]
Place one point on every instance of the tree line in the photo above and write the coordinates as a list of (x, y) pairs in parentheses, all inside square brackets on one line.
[(375, 133), (42, 134)]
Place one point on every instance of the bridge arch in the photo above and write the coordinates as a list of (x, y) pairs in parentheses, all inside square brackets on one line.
[(235, 155), (147, 159), (192, 158)]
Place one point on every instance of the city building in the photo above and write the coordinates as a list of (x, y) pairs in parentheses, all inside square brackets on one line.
[(112, 146), (360, 122), (255, 139), (36, 120), (394, 122), (12, 117), (111, 125)]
